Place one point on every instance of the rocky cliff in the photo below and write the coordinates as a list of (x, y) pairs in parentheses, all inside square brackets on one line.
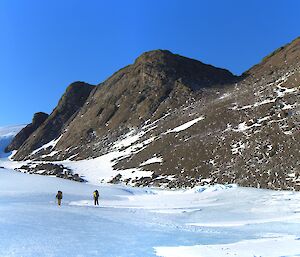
[(68, 106)]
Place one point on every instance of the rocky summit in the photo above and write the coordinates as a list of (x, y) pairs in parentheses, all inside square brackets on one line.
[(183, 123)]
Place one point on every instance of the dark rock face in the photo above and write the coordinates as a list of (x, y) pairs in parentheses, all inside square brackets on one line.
[(50, 169), (25, 133), (157, 82), (249, 134), (70, 103), (169, 68)]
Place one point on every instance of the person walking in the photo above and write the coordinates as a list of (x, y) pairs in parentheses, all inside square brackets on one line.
[(59, 196), (96, 197)]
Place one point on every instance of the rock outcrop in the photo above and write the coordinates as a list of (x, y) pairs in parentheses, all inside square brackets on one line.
[(21, 137), (68, 106)]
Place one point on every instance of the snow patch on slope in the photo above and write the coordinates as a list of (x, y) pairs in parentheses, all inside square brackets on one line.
[(152, 160), (185, 125), (100, 169), (128, 139), (51, 144)]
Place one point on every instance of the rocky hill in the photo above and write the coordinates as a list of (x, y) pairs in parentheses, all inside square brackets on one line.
[(158, 81), (187, 123)]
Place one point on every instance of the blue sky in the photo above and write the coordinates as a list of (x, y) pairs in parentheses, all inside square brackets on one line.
[(46, 45)]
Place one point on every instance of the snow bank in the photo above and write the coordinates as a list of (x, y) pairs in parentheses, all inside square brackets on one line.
[(213, 188)]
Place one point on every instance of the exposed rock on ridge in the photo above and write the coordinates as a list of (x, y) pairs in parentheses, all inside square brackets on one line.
[(25, 133), (157, 82), (68, 106)]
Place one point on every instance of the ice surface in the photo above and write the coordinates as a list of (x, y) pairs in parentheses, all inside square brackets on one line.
[(203, 221)]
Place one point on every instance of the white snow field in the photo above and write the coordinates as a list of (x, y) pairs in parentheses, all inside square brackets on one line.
[(208, 221), (205, 221)]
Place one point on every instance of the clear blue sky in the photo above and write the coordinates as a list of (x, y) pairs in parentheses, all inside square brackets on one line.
[(47, 44)]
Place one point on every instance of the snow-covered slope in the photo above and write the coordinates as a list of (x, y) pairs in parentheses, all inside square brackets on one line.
[(204, 222), (6, 136)]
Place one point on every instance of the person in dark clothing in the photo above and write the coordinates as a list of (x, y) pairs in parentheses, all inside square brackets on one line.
[(96, 197), (59, 196)]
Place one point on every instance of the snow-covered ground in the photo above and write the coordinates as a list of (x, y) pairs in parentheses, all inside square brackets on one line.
[(208, 221)]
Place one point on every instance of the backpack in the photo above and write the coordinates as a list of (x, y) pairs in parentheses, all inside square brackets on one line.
[(59, 195), (96, 194)]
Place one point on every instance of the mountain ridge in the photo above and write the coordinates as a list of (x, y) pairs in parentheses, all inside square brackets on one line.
[(155, 77), (70, 103), (240, 124)]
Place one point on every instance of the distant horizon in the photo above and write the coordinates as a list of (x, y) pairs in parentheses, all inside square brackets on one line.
[(45, 46)]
